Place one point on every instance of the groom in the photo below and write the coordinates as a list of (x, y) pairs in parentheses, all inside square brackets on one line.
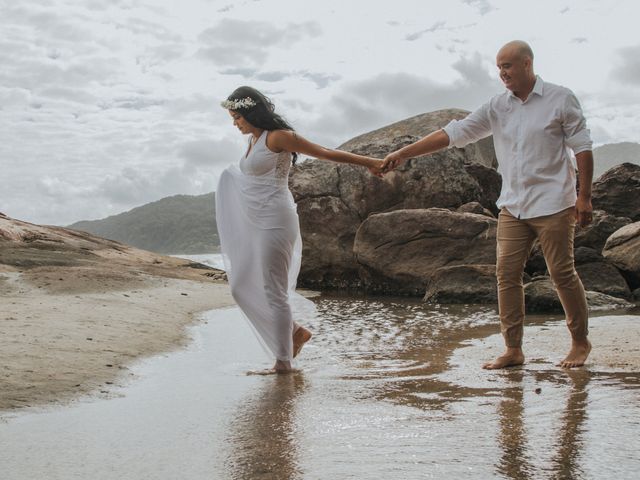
[(533, 123)]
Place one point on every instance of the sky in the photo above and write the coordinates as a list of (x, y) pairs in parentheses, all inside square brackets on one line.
[(106, 105)]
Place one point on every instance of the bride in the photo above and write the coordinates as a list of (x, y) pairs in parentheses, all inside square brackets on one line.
[(258, 223)]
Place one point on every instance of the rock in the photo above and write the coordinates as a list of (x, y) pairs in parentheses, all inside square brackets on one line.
[(400, 251), (474, 207), (541, 297), (602, 301), (490, 183), (583, 255), (328, 228), (334, 199), (35, 248), (481, 152), (463, 284), (617, 191), (635, 295), (595, 235), (536, 264), (623, 250), (603, 277)]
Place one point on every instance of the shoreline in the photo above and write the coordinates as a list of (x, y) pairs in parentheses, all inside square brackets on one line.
[(66, 335), (69, 333)]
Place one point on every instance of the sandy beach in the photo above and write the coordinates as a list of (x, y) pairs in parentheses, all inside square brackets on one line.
[(76, 310), (67, 332)]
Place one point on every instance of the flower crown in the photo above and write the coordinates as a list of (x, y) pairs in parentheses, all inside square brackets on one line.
[(246, 102)]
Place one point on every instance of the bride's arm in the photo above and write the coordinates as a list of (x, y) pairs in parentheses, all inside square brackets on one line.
[(287, 140)]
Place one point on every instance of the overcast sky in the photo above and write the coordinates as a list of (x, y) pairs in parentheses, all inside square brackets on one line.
[(110, 104)]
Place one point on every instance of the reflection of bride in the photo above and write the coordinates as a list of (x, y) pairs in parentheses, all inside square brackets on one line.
[(262, 441), (258, 223)]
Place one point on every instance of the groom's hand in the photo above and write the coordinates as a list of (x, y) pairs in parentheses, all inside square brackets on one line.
[(391, 161)]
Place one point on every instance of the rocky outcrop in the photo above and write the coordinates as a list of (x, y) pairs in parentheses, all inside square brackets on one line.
[(541, 297), (474, 207), (603, 277), (334, 199), (617, 191), (463, 284), (481, 152), (424, 225), (623, 250), (31, 247), (596, 233), (400, 251)]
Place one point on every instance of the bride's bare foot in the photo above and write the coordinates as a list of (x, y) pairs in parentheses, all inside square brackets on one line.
[(300, 337), (512, 357), (578, 354), (283, 367)]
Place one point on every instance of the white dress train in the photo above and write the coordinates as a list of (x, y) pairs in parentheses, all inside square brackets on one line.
[(261, 244)]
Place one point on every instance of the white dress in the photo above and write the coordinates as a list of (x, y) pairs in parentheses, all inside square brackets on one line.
[(261, 245)]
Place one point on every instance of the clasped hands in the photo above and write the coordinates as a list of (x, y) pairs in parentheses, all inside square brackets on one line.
[(379, 168)]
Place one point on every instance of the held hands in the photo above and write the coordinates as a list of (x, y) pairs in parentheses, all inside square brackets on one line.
[(375, 167), (381, 167), (391, 162)]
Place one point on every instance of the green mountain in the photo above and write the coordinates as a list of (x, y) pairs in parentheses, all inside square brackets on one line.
[(612, 154), (173, 225)]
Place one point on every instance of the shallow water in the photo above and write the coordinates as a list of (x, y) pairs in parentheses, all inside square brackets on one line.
[(388, 389)]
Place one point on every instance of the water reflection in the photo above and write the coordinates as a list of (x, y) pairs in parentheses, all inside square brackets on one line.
[(515, 461), (262, 438), (569, 447), (519, 460)]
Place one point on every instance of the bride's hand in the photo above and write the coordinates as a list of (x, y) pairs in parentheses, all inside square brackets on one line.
[(375, 168)]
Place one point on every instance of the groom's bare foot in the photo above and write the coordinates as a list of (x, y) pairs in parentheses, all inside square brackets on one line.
[(300, 337), (511, 358), (578, 354)]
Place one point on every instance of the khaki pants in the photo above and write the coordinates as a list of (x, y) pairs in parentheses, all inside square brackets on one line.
[(515, 239)]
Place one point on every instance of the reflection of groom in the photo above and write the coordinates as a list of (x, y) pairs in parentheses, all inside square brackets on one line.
[(533, 124)]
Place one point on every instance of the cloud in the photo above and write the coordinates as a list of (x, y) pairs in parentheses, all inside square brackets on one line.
[(483, 6), (579, 40), (321, 80), (237, 42), (433, 28), (627, 70), (385, 98), (206, 153)]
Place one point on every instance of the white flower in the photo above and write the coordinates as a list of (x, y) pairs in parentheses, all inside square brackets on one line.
[(236, 104)]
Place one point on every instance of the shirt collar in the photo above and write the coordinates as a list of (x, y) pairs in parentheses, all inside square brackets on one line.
[(538, 89)]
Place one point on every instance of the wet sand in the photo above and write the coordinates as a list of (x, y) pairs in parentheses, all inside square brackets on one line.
[(67, 332), (387, 389)]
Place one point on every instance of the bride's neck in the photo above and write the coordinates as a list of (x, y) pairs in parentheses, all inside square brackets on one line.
[(255, 134)]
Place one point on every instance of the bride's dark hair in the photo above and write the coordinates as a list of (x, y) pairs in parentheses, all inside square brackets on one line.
[(260, 112)]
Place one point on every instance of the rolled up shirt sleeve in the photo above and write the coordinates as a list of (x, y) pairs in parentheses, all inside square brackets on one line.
[(472, 128), (577, 135)]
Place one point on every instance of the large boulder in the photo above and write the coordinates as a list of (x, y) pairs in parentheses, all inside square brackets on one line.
[(617, 191), (334, 199), (481, 152), (399, 251), (463, 284), (596, 233), (623, 250), (474, 207), (329, 228), (490, 183), (541, 297), (603, 277)]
